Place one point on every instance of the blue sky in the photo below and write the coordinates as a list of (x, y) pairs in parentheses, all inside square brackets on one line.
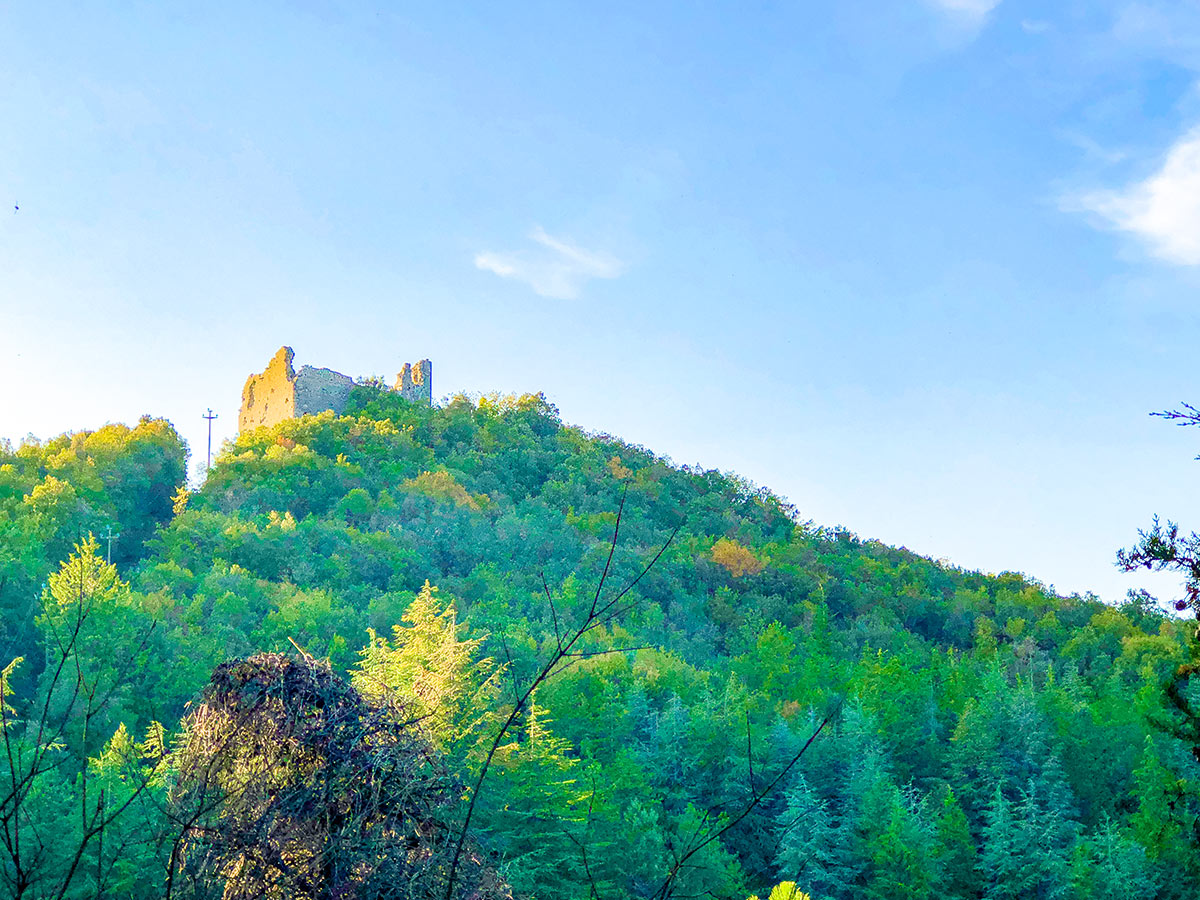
[(921, 266)]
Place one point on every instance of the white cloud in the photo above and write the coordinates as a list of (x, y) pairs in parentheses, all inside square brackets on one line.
[(558, 273), (1163, 210), (1034, 26), (966, 15)]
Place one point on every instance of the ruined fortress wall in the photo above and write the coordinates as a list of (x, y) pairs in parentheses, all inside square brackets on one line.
[(270, 396), (320, 389), (279, 392)]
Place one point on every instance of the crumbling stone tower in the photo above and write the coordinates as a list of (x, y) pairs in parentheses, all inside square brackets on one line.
[(280, 392), (415, 383)]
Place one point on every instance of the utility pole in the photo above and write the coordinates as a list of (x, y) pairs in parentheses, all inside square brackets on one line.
[(110, 537), (210, 415)]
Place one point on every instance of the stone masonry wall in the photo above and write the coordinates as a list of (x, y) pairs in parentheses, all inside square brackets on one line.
[(320, 389)]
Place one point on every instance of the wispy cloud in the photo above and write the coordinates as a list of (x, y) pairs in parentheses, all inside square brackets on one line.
[(559, 270), (1093, 149), (966, 15), (1169, 31), (1162, 210)]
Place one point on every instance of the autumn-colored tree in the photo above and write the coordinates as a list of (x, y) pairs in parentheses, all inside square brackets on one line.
[(736, 559), (442, 485)]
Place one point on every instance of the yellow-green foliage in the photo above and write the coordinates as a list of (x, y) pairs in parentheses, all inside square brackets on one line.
[(434, 674), (441, 485), (786, 890), (84, 579), (497, 403), (736, 559)]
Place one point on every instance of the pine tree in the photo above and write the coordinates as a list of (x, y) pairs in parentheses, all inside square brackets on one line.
[(1027, 846), (904, 859), (433, 673), (535, 808), (808, 843), (956, 850), (1109, 865)]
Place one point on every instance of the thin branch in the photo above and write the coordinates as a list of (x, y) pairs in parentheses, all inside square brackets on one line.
[(666, 889), (553, 612), (1187, 415), (512, 668), (565, 650), (612, 548), (749, 752)]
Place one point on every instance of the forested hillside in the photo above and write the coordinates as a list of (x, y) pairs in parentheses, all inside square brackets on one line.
[(984, 737)]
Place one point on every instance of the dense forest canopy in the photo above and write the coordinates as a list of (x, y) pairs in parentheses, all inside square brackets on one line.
[(417, 566)]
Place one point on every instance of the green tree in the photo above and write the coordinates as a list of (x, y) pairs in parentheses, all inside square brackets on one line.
[(904, 856), (58, 807), (434, 673), (534, 812), (1166, 548), (956, 850), (1027, 846), (1109, 865), (811, 850)]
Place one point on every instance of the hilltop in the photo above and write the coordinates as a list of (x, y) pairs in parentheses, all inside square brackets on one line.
[(990, 738)]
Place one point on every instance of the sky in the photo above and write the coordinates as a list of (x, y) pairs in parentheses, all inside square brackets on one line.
[(922, 267)]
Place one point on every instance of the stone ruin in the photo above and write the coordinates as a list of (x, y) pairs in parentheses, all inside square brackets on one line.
[(280, 392), (415, 382)]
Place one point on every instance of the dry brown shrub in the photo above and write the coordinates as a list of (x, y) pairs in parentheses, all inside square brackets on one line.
[(292, 785)]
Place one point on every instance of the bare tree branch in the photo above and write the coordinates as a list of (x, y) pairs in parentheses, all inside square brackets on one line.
[(598, 612), (666, 890)]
